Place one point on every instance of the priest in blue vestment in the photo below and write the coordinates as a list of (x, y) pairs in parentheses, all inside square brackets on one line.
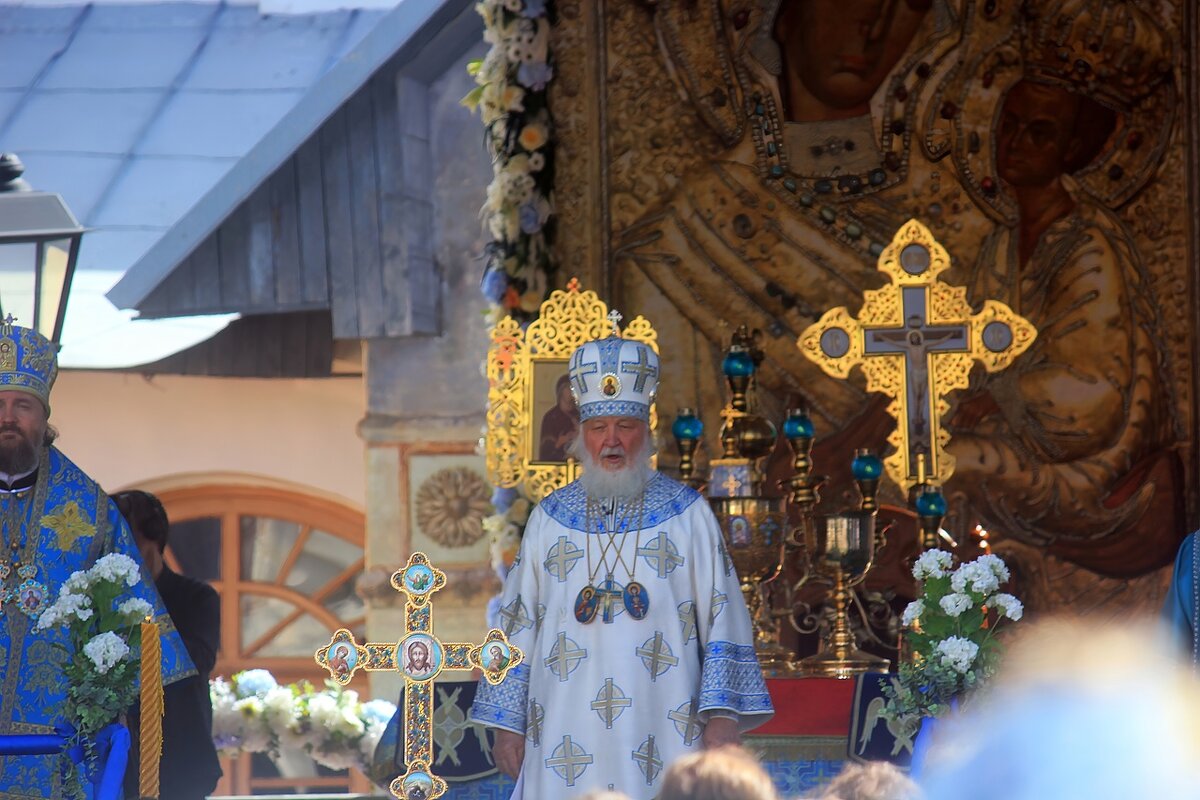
[(55, 521), (1182, 608), (638, 646)]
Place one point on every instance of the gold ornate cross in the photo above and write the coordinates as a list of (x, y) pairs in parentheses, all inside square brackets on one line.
[(916, 340), (420, 656)]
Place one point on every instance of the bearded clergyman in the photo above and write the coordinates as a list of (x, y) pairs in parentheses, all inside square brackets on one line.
[(638, 645)]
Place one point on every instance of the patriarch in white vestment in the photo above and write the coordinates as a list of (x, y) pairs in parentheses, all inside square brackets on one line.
[(638, 644)]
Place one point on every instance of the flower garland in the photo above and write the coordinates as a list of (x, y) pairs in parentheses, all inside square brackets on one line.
[(505, 529), (952, 632), (252, 713), (510, 96), (102, 669)]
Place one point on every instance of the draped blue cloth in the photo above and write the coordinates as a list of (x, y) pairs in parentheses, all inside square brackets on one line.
[(64, 524), (104, 779), (1181, 611)]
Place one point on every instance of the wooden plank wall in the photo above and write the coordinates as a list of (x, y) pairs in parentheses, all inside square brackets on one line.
[(344, 224), (292, 345)]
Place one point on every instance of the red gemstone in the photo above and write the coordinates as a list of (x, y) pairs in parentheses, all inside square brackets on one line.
[(901, 93), (1134, 140), (949, 110), (988, 185), (740, 19), (988, 78)]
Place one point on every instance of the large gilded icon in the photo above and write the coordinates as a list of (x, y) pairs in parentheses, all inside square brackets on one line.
[(532, 418)]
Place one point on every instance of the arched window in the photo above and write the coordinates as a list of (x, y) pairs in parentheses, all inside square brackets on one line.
[(285, 564)]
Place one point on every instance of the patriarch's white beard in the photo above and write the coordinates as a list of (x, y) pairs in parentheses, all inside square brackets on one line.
[(620, 484)]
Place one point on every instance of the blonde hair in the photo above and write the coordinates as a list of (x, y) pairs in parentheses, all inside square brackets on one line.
[(877, 780), (726, 773)]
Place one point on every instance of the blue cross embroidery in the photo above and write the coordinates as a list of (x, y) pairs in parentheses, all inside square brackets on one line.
[(642, 368), (661, 555), (561, 558), (579, 371)]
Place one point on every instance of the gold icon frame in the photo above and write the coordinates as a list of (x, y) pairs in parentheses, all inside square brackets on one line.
[(568, 318)]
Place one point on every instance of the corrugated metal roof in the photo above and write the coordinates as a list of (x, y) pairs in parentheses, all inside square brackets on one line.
[(135, 112)]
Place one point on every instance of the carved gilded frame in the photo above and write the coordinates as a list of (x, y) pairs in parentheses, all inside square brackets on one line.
[(568, 319)]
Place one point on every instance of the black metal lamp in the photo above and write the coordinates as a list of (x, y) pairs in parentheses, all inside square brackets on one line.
[(39, 244)]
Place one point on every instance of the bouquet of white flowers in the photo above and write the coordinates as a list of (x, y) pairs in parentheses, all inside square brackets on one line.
[(102, 668), (951, 634), (252, 713)]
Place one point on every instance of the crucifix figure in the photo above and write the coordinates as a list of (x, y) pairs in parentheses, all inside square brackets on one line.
[(916, 340), (420, 656)]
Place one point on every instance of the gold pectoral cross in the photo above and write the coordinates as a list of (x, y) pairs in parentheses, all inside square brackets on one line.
[(420, 656), (916, 340)]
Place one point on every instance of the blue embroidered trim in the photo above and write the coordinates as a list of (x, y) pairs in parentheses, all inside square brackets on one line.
[(503, 706), (731, 679), (614, 408), (665, 499)]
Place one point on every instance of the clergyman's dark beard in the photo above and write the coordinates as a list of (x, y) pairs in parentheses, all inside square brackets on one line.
[(17, 456)]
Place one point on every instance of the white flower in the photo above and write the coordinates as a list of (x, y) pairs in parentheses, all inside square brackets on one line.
[(323, 710), (116, 567), (932, 564), (958, 653), (995, 564), (1008, 605), (979, 577), (913, 612), (78, 582), (105, 650), (955, 604), (495, 524), (536, 162), (136, 608), (65, 610)]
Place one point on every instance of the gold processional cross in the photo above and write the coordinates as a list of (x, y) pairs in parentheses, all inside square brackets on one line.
[(420, 656), (916, 340)]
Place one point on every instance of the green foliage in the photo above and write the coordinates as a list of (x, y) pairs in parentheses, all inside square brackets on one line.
[(951, 635)]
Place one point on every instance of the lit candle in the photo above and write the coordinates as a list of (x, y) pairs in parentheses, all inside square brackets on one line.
[(152, 711)]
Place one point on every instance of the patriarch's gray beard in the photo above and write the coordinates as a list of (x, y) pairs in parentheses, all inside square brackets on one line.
[(621, 484)]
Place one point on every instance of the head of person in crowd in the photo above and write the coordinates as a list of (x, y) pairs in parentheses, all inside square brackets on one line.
[(875, 780), (725, 773), (148, 520), (1087, 709)]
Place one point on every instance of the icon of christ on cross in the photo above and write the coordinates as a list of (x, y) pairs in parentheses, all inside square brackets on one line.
[(916, 340), (420, 656)]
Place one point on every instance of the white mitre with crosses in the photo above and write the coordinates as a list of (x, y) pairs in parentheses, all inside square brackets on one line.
[(614, 377)]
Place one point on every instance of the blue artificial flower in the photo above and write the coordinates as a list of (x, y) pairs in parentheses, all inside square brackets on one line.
[(535, 75), (530, 219), (502, 498), (534, 8), (254, 682), (494, 285)]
